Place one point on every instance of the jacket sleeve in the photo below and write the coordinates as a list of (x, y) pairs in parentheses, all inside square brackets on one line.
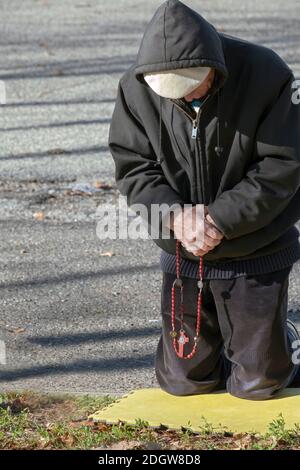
[(272, 180), (269, 234), (138, 173)]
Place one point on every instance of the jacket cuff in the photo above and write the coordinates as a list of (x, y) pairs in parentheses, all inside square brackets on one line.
[(219, 221)]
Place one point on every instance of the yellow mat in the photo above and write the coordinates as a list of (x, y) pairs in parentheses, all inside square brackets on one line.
[(221, 410)]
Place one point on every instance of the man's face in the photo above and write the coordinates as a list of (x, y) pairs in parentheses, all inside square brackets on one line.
[(202, 88)]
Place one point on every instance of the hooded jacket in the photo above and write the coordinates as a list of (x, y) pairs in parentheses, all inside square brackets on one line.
[(240, 155)]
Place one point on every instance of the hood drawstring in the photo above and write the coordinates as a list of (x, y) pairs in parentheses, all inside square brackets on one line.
[(218, 148), (160, 126)]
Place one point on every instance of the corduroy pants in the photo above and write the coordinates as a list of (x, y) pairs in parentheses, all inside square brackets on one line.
[(244, 346)]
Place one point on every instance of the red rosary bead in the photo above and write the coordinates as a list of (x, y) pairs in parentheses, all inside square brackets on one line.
[(183, 338)]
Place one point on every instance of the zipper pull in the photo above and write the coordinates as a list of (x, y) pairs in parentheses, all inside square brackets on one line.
[(195, 129)]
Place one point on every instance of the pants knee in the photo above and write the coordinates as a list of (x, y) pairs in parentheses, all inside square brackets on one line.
[(184, 386), (254, 395)]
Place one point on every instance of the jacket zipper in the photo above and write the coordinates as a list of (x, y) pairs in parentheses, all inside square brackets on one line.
[(195, 126), (195, 120)]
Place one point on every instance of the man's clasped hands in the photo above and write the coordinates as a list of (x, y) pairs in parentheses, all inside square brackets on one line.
[(195, 229)]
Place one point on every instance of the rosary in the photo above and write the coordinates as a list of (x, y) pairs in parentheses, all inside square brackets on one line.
[(178, 284)]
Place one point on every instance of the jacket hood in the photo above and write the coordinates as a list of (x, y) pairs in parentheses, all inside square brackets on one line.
[(179, 37)]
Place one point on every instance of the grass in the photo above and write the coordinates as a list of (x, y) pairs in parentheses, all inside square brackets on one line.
[(31, 420)]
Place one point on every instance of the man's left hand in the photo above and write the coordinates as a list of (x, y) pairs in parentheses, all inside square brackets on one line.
[(211, 222)]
